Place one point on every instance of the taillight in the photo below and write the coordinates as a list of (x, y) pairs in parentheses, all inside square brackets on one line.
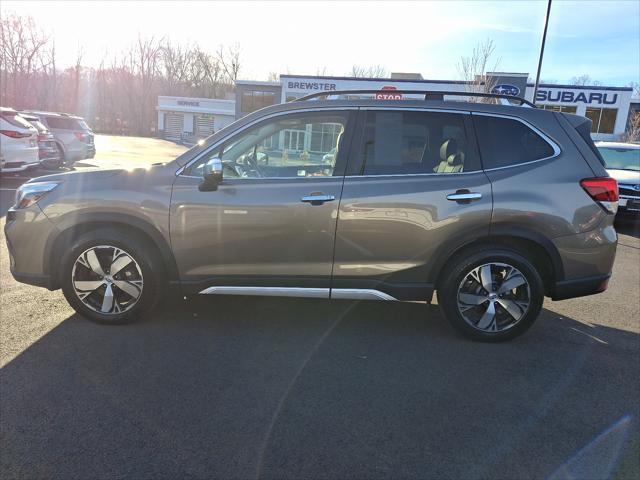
[(14, 134), (603, 190), (80, 136)]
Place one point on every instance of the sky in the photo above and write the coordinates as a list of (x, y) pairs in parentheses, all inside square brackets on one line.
[(598, 38)]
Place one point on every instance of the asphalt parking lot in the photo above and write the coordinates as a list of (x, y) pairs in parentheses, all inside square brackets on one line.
[(301, 388)]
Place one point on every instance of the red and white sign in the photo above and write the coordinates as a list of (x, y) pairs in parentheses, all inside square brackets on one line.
[(388, 93)]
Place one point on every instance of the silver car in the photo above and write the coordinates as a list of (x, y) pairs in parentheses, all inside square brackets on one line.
[(74, 138), (622, 161), (491, 206)]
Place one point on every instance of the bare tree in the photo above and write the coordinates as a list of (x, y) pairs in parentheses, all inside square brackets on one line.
[(632, 134), (230, 60), (474, 69), (175, 61), (273, 77), (373, 71), (636, 88), (21, 44), (584, 80)]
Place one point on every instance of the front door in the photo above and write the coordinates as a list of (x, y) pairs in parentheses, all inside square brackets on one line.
[(271, 222), (414, 189)]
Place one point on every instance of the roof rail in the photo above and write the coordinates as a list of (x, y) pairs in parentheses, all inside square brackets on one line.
[(428, 95)]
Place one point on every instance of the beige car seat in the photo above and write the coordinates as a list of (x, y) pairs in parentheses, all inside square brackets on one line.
[(451, 158)]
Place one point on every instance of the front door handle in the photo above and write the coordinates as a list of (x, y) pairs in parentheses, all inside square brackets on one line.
[(317, 198), (464, 196)]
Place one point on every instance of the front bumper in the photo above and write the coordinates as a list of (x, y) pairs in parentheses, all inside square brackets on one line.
[(27, 232), (629, 204)]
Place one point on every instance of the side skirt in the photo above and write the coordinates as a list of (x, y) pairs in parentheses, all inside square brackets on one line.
[(337, 293)]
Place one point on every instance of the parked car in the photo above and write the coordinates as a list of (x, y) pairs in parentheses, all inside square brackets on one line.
[(492, 206), (73, 136), (18, 142), (622, 161), (47, 148)]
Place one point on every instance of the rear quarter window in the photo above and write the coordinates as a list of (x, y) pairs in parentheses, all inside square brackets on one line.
[(62, 123), (504, 142)]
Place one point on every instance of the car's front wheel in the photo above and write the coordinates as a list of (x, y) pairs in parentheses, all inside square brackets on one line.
[(491, 294), (111, 277)]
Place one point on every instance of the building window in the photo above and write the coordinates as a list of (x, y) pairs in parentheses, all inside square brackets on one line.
[(559, 108), (253, 100), (603, 120), (324, 136)]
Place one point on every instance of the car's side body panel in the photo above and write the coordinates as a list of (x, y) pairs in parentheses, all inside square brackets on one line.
[(254, 231), (390, 228)]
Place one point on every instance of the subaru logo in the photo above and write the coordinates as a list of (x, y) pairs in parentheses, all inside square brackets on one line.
[(506, 89)]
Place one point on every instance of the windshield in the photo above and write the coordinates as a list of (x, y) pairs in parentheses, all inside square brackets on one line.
[(621, 158)]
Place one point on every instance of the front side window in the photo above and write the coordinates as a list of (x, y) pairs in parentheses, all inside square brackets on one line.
[(408, 142), (504, 142), (299, 145)]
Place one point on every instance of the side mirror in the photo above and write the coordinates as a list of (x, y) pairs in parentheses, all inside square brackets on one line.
[(212, 175)]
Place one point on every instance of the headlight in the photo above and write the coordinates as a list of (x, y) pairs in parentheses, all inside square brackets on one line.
[(29, 193)]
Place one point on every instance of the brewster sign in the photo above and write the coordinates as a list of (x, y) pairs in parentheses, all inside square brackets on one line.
[(569, 96)]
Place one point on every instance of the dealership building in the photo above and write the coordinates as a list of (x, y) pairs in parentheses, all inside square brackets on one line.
[(607, 107)]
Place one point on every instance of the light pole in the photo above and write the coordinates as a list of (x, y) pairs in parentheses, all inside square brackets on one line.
[(544, 38)]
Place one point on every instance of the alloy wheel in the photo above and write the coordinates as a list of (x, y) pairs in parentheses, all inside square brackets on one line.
[(107, 279), (493, 297)]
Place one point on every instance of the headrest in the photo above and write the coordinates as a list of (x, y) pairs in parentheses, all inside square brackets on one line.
[(449, 147), (456, 159)]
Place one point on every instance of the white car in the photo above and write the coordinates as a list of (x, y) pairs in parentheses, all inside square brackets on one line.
[(622, 161), (18, 142)]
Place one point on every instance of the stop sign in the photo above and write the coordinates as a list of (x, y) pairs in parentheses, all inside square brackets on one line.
[(388, 93)]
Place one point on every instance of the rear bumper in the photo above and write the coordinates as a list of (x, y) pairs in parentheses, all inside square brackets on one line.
[(580, 287)]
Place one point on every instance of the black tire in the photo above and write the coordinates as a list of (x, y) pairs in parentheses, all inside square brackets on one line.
[(143, 254), (457, 270)]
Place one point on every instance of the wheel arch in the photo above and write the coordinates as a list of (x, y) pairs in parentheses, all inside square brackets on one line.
[(540, 250), (94, 221)]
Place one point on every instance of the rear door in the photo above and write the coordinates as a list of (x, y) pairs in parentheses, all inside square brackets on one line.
[(414, 190)]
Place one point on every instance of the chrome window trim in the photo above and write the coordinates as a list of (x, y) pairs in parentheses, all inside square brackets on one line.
[(556, 149), (258, 120), (271, 178)]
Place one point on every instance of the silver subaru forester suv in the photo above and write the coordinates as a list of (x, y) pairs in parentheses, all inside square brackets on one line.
[(493, 206)]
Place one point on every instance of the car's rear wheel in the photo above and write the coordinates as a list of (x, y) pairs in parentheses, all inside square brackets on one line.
[(492, 294), (110, 277)]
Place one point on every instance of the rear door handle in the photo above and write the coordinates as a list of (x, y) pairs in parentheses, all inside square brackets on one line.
[(464, 196), (318, 199)]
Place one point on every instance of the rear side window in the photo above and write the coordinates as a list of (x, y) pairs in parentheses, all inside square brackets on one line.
[(408, 142), (504, 142), (62, 123), (16, 120)]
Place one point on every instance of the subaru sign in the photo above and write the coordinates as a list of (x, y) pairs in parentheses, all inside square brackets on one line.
[(506, 89)]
